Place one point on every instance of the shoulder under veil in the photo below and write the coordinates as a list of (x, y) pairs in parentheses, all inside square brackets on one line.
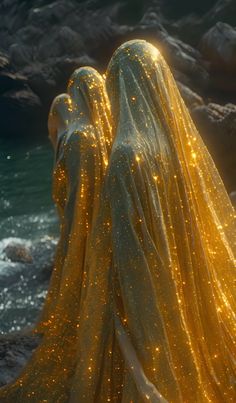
[(82, 161), (173, 240)]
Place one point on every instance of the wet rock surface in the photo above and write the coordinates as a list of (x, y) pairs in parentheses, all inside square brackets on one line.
[(15, 351), (24, 281)]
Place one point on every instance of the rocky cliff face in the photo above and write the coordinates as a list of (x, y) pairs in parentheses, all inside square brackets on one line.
[(42, 42)]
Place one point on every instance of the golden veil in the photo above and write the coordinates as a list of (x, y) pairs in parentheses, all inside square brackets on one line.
[(77, 182), (173, 241), (59, 119), (78, 177)]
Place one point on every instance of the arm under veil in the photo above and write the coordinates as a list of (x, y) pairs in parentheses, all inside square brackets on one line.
[(49, 373), (173, 236)]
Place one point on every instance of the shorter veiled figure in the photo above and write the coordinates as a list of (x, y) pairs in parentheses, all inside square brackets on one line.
[(81, 157), (79, 127), (59, 119), (173, 241)]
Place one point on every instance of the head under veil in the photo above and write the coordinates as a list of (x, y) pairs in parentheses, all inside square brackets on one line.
[(59, 117), (172, 214), (83, 160), (90, 104)]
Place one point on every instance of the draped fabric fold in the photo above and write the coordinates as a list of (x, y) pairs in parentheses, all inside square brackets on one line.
[(173, 238), (142, 306), (78, 178)]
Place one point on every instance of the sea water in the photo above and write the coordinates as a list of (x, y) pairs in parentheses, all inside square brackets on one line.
[(28, 231)]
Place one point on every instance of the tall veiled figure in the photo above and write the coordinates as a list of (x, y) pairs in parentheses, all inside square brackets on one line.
[(173, 241), (80, 165)]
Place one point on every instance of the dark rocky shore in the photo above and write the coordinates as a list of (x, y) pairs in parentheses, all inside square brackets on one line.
[(42, 42)]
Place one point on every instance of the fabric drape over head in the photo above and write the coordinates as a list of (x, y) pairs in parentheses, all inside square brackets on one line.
[(173, 241), (78, 177)]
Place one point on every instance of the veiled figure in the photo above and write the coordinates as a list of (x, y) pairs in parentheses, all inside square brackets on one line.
[(80, 164), (152, 317), (81, 158), (59, 120), (173, 241)]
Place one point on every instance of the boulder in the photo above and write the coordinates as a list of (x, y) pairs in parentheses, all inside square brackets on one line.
[(190, 97), (63, 67), (16, 252), (185, 59), (41, 80), (15, 351), (4, 62), (217, 125), (61, 42), (50, 14), (192, 27), (20, 55), (179, 55), (71, 42), (19, 110), (218, 46), (232, 196), (10, 81), (30, 35)]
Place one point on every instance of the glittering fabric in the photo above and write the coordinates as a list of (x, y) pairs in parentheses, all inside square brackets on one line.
[(173, 240), (78, 175), (145, 309)]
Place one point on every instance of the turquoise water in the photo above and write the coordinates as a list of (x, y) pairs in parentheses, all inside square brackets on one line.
[(28, 220), (26, 207)]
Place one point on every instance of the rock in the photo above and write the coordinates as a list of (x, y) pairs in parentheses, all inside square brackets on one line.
[(24, 282), (218, 46), (10, 81), (49, 46), (15, 351), (192, 27), (41, 80), (217, 125), (179, 55), (44, 41), (63, 67), (16, 252), (191, 99), (71, 42), (19, 110), (4, 62), (232, 196), (61, 42), (222, 10), (43, 253), (185, 59), (50, 14), (30, 35), (19, 55)]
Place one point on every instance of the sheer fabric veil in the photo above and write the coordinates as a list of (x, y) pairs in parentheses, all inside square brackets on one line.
[(59, 120), (78, 179), (173, 240)]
